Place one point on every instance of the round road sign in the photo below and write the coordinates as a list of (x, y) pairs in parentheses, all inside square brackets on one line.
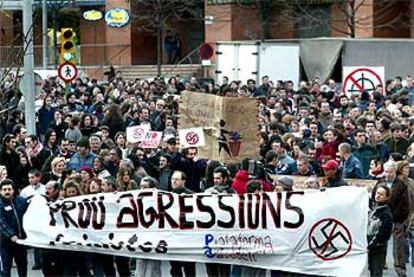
[(206, 51), (67, 72)]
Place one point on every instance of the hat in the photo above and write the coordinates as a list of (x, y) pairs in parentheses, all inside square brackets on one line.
[(104, 127), (87, 169), (286, 183), (169, 139), (331, 164)]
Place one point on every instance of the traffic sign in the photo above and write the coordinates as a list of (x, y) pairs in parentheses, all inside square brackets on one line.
[(362, 78), (67, 72), (206, 51)]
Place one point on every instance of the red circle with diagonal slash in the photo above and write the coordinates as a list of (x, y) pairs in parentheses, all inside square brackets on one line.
[(321, 253), (192, 138), (350, 78), (138, 133)]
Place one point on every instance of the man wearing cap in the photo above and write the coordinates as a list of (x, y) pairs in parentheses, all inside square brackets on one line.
[(333, 174), (83, 157)]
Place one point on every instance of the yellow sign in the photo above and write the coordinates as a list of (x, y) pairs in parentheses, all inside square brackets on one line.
[(117, 17), (92, 15)]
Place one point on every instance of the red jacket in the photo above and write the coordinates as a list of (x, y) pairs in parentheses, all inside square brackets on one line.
[(241, 180)]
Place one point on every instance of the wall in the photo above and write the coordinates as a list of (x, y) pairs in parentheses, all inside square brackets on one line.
[(120, 38), (92, 32)]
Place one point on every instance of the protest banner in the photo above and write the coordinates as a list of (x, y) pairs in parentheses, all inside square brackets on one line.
[(136, 133), (310, 232), (191, 137), (229, 123), (151, 139)]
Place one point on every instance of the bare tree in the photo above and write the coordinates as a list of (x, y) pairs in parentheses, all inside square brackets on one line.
[(306, 15), (154, 15), (351, 16)]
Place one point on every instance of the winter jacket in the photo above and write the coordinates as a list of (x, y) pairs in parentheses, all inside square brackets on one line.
[(379, 226), (45, 117), (239, 184), (338, 181), (364, 154), (11, 218), (399, 146), (399, 202), (194, 171), (77, 161), (352, 168)]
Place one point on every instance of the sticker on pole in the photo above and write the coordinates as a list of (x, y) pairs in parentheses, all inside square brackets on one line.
[(192, 137), (137, 133), (67, 72), (362, 78), (330, 239)]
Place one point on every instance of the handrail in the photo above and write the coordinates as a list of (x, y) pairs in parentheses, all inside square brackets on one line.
[(188, 56)]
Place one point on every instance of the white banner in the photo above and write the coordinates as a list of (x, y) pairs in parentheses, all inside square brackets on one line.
[(137, 133), (312, 232), (191, 137)]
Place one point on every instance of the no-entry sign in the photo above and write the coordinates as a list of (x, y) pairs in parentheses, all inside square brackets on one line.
[(359, 78)]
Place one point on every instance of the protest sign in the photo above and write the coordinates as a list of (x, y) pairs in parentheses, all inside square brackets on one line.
[(192, 137), (229, 124), (362, 78), (310, 232), (151, 139), (137, 133), (300, 180)]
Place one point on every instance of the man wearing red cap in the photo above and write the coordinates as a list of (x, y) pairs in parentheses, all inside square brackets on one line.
[(333, 174)]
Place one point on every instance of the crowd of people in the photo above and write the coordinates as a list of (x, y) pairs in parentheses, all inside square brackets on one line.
[(312, 130)]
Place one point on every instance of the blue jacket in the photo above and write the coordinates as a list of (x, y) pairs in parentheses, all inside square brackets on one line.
[(352, 168), (285, 165), (45, 117), (11, 218), (76, 162)]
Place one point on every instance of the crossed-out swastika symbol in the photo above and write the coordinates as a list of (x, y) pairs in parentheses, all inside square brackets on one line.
[(330, 239), (192, 138)]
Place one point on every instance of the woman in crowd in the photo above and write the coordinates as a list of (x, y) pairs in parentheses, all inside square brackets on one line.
[(124, 180), (86, 173), (58, 125), (57, 165), (86, 126)]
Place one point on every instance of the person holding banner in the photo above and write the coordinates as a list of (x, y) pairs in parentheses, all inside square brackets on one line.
[(178, 185), (12, 209)]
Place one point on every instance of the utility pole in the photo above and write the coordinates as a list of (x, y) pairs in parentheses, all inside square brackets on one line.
[(44, 34), (29, 85)]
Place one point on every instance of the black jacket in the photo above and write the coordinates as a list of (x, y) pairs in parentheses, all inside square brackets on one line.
[(11, 218), (379, 226)]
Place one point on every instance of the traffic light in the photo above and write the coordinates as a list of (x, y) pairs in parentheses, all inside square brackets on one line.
[(67, 50)]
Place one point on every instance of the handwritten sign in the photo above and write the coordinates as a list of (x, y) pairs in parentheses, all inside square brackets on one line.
[(229, 125), (151, 139), (137, 133)]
